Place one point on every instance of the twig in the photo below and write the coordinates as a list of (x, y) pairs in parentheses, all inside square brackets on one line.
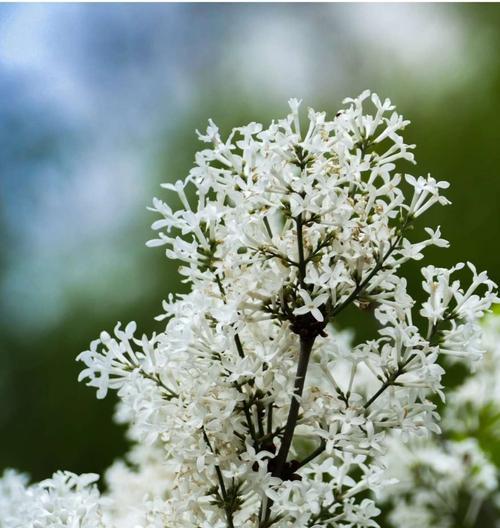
[(220, 478)]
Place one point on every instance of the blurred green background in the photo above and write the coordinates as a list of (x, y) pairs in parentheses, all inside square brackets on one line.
[(98, 105)]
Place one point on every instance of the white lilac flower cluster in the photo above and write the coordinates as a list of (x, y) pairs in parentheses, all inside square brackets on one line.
[(453, 479), (439, 484), (66, 499), (280, 230)]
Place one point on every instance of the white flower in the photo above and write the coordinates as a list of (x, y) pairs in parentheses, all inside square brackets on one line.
[(64, 500), (311, 305), (280, 229)]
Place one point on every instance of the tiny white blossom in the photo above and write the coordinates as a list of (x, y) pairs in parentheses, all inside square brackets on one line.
[(311, 305)]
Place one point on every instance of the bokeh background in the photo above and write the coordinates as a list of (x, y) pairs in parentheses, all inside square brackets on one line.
[(98, 105)]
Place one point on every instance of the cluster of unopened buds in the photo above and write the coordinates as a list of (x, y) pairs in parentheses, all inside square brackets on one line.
[(251, 408)]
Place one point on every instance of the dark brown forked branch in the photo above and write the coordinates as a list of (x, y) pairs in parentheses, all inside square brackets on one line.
[(306, 345)]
